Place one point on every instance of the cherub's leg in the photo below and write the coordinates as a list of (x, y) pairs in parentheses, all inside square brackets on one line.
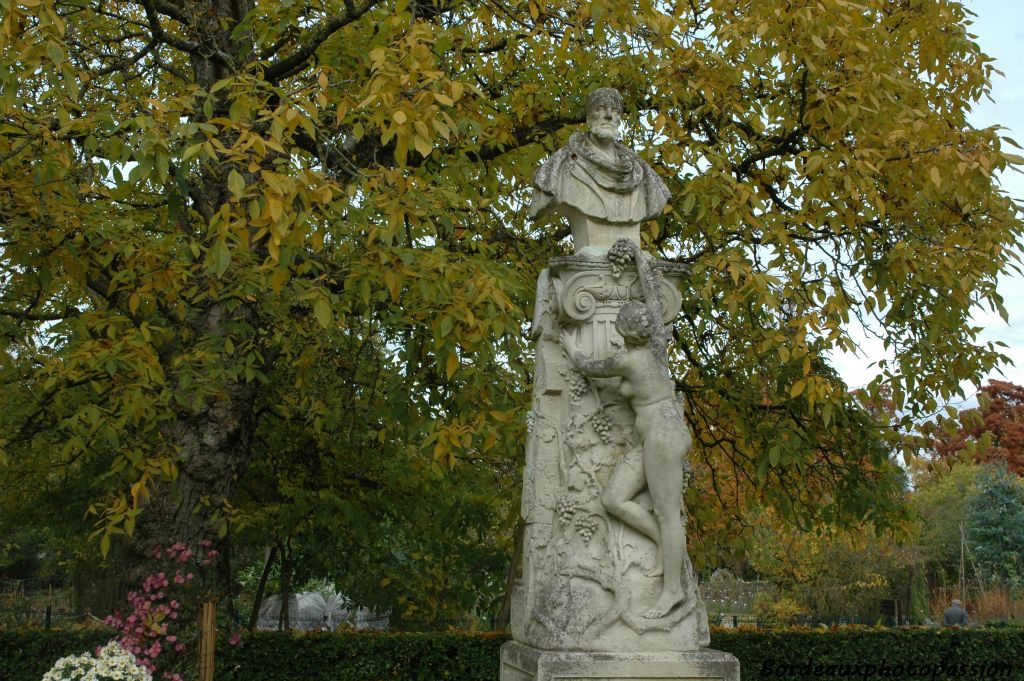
[(665, 483), (627, 480)]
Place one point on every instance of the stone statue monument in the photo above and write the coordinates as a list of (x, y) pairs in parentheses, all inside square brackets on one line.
[(601, 187), (607, 590)]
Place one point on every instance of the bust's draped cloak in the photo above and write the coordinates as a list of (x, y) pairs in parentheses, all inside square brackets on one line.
[(625, 190)]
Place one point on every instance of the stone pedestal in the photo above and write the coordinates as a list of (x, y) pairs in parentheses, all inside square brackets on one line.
[(523, 663), (592, 237)]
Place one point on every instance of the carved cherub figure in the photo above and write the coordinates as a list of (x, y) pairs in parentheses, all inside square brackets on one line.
[(659, 464)]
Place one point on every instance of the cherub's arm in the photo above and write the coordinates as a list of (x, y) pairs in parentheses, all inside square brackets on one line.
[(605, 368)]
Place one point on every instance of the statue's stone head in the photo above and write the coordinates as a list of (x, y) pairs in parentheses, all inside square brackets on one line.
[(604, 112), (635, 322)]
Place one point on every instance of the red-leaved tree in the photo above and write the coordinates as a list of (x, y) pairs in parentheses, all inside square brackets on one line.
[(995, 431)]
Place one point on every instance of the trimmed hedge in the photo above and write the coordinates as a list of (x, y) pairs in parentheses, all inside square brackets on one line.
[(849, 653), (876, 654), (27, 655), (362, 657)]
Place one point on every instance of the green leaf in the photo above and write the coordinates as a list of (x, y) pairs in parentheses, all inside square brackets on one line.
[(219, 257), (322, 311), (54, 53)]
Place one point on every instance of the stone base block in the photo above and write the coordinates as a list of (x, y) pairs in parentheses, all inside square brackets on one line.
[(523, 663)]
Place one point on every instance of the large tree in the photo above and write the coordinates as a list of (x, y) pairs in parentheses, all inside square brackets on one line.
[(227, 219)]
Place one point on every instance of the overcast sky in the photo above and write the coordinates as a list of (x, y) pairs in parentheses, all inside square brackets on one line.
[(999, 27)]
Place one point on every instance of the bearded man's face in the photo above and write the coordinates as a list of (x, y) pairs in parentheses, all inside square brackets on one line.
[(604, 120)]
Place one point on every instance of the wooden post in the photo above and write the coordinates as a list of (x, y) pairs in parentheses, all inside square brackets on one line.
[(207, 639)]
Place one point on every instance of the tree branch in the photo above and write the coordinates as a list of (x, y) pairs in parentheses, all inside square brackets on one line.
[(38, 316), (131, 61), (491, 49), (150, 6), (526, 134), (294, 62), (168, 8)]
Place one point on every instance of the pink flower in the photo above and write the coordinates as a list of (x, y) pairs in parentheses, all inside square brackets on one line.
[(235, 639)]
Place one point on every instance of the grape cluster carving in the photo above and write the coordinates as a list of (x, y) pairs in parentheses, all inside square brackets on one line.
[(602, 425), (620, 255), (586, 526), (565, 509), (578, 386)]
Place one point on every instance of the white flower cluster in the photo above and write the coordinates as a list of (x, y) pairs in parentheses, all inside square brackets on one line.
[(112, 663)]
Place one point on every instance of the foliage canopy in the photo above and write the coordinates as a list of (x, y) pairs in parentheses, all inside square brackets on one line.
[(241, 234)]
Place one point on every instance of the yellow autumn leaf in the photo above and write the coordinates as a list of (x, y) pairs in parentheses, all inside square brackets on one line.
[(394, 286), (797, 388)]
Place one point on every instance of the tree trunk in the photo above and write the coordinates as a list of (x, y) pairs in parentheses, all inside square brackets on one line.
[(284, 620), (226, 576), (211, 440), (258, 600), (504, 618), (213, 447)]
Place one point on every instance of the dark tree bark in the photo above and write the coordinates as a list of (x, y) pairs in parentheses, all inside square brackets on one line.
[(268, 563), (284, 622), (504, 618), (213, 442)]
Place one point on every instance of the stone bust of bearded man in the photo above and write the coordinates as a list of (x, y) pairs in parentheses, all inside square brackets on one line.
[(601, 186)]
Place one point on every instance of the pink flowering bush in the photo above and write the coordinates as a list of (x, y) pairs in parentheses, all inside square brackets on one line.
[(159, 630)]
